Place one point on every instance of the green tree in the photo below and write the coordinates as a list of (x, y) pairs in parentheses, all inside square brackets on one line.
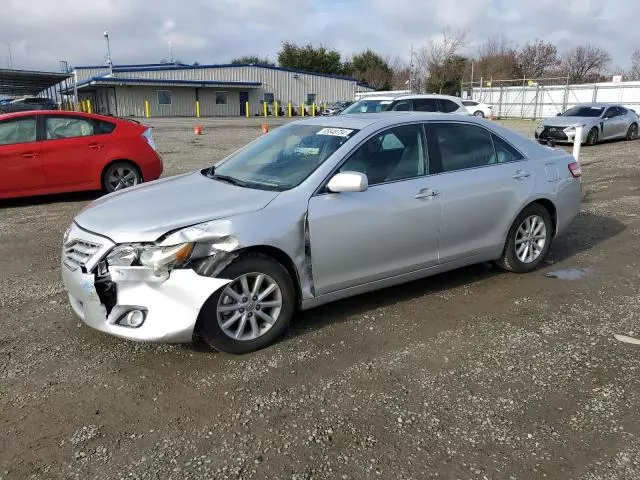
[(310, 58), (252, 59), (372, 69)]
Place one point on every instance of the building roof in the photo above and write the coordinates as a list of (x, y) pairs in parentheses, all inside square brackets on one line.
[(16, 83), (157, 67), (104, 80)]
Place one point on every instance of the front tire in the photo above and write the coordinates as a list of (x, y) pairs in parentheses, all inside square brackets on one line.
[(528, 241), (592, 137), (253, 310), (632, 132), (120, 175)]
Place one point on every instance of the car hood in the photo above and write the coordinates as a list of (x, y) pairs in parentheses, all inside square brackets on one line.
[(146, 212), (570, 121)]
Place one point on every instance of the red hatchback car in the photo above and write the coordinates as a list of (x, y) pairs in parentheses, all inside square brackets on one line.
[(44, 152)]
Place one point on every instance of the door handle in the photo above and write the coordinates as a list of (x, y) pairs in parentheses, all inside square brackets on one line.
[(29, 155), (521, 175), (95, 146), (426, 193)]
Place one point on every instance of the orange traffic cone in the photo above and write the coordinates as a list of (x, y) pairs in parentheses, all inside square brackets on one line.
[(197, 129), (265, 128)]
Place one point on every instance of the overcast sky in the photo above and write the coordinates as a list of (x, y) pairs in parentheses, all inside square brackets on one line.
[(43, 32)]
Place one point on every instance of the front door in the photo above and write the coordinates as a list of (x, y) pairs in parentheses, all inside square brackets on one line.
[(20, 157), (611, 125), (483, 183), (389, 229), (244, 98), (71, 152)]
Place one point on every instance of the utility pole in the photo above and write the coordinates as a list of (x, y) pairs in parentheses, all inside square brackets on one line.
[(10, 56), (411, 69), (109, 62), (170, 51)]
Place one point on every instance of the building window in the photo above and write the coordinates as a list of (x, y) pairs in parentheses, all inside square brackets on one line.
[(311, 98), (164, 97), (221, 98), (268, 97)]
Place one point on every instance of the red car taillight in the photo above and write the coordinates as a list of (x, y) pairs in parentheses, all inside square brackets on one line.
[(574, 168)]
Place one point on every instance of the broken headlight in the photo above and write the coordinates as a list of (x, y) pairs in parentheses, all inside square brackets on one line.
[(156, 257)]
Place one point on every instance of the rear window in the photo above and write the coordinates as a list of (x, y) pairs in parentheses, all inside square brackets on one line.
[(103, 127), (448, 106)]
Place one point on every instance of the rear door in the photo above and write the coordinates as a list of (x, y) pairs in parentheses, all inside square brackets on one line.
[(20, 156), (73, 151), (483, 182)]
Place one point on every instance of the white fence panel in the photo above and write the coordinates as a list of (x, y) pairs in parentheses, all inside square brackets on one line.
[(539, 101)]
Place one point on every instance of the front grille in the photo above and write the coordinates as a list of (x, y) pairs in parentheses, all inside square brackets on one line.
[(553, 132), (78, 252)]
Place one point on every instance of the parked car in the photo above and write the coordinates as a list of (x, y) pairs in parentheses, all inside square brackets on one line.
[(335, 108), (43, 152), (27, 104), (312, 212), (599, 121), (418, 103), (478, 109)]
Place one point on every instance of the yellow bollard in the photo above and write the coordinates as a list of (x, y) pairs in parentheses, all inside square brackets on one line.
[(290, 109), (246, 109), (313, 109), (264, 104), (89, 109), (146, 108), (198, 108), (275, 109), (302, 109), (324, 106)]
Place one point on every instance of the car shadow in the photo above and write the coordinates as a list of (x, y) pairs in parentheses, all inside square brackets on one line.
[(48, 199), (587, 232)]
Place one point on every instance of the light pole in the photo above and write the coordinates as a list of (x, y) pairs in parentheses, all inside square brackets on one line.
[(109, 62)]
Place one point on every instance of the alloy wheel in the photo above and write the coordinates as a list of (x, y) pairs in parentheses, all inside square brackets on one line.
[(122, 177), (531, 239), (249, 306)]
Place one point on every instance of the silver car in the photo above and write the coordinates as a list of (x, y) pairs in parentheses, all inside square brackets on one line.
[(315, 211), (599, 121)]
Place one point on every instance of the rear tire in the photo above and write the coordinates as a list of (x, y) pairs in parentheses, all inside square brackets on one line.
[(478, 113), (592, 137), (528, 240), (239, 318), (120, 175), (632, 132)]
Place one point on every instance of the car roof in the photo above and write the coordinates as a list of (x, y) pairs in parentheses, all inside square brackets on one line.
[(598, 104), (359, 121), (405, 96), (29, 113)]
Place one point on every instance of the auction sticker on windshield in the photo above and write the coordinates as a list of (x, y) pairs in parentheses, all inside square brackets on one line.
[(336, 132)]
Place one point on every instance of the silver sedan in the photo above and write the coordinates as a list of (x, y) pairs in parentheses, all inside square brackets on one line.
[(599, 121), (313, 212)]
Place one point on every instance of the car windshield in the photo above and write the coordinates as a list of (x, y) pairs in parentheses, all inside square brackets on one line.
[(368, 106), (283, 158), (581, 111)]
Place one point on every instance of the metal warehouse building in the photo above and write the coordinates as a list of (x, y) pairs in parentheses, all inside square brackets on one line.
[(214, 90)]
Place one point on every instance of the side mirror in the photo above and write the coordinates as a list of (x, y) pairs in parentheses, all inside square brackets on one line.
[(558, 114), (348, 182)]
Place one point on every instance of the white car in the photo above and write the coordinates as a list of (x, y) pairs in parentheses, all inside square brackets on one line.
[(477, 109), (414, 102)]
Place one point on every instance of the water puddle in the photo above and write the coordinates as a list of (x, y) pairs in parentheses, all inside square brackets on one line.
[(569, 273)]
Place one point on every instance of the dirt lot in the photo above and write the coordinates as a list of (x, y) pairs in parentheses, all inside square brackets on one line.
[(475, 374)]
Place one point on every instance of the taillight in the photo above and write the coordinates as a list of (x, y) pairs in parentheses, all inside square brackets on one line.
[(574, 168), (149, 138)]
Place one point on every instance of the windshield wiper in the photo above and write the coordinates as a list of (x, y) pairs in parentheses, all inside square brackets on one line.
[(231, 180)]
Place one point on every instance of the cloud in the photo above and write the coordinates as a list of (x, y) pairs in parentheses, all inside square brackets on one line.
[(42, 32)]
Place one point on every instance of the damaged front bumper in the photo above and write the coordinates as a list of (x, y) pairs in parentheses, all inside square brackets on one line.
[(169, 304)]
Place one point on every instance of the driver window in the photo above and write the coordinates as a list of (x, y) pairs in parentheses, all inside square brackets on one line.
[(395, 154), (403, 106), (611, 112)]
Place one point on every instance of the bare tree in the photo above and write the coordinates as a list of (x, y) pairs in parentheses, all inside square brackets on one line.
[(634, 73), (585, 63), (535, 59), (497, 58), (401, 73), (437, 60)]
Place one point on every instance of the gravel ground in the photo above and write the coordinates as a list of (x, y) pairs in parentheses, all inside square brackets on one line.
[(474, 374)]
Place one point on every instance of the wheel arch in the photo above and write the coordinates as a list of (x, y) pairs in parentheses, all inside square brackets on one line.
[(549, 206)]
